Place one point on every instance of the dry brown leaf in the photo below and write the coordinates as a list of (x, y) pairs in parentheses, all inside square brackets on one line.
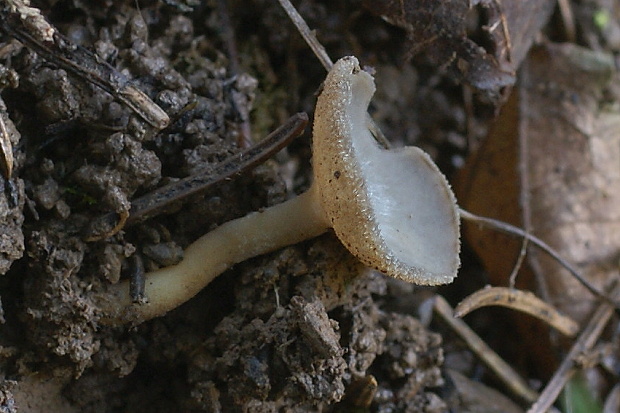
[(572, 155), (569, 176), (489, 186)]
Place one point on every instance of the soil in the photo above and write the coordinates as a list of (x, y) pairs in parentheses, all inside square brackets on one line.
[(306, 328)]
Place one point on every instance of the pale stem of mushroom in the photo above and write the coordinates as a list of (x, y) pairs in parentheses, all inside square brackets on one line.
[(288, 223)]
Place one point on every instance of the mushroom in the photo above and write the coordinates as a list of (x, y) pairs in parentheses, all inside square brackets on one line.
[(392, 209)]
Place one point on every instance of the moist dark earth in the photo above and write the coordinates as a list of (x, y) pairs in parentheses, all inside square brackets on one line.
[(306, 328)]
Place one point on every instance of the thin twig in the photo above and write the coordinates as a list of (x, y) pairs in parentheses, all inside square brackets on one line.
[(516, 231), (569, 366), (6, 147), (320, 53), (58, 49), (568, 19), (519, 263), (308, 35), (506, 374), (506, 32)]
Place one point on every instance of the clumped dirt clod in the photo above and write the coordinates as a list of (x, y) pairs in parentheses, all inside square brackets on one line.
[(7, 403), (61, 316), (326, 332)]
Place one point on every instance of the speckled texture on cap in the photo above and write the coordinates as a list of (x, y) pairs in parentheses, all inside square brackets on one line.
[(393, 209)]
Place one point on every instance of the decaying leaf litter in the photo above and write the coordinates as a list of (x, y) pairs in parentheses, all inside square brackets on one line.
[(571, 201), (322, 330)]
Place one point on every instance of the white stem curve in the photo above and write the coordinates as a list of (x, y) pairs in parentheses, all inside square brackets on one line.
[(293, 221)]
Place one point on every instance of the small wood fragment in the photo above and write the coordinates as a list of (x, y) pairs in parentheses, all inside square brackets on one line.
[(47, 41), (587, 339), (308, 35), (505, 373), (137, 280), (612, 403), (321, 54), (360, 393), (524, 301), (6, 149)]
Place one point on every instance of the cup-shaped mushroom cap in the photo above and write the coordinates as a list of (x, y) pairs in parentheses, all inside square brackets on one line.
[(393, 209)]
